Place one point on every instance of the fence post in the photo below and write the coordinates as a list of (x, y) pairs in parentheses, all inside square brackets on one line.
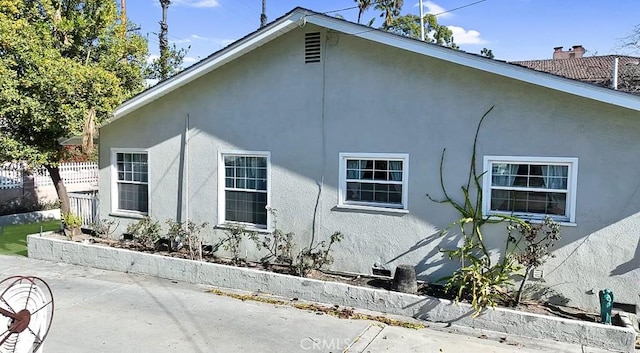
[(96, 207)]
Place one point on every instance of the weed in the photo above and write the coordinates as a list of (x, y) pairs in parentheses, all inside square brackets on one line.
[(105, 228)]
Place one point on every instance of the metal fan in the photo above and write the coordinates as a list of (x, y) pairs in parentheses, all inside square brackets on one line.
[(26, 310)]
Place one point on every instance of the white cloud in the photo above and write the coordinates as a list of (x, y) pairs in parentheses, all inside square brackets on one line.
[(151, 58), (180, 41), (224, 42), (434, 9), (197, 3), (462, 36), (189, 59), (219, 42)]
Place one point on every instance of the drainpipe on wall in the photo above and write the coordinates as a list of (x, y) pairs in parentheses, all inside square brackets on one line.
[(614, 81), (186, 169)]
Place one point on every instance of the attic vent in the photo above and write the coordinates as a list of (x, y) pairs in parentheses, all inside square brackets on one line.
[(312, 47)]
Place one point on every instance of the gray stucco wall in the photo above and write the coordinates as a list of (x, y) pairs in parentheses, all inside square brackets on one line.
[(366, 97)]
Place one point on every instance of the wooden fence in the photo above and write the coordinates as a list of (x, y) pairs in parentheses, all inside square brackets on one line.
[(11, 176), (71, 173), (85, 206)]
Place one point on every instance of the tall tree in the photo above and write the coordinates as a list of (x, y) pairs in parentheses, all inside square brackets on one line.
[(629, 75), (64, 66), (263, 14), (390, 10), (363, 5), (409, 26), (164, 41), (632, 40), (171, 58)]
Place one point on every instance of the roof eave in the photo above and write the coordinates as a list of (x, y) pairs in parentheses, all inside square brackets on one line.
[(300, 16), (74, 140), (485, 64)]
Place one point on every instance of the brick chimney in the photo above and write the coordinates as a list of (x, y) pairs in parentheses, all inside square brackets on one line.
[(576, 52), (557, 53)]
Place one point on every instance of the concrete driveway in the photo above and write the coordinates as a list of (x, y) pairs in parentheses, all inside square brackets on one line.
[(103, 311)]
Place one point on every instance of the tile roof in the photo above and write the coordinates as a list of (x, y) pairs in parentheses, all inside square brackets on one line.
[(593, 69)]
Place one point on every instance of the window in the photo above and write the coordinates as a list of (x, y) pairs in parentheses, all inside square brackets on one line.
[(531, 187), (245, 183), (374, 179), (131, 181)]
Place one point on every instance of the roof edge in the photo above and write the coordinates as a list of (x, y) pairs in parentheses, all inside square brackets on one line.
[(300, 16), (275, 29), (497, 67)]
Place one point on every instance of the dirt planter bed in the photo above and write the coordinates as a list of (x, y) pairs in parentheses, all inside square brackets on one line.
[(508, 321)]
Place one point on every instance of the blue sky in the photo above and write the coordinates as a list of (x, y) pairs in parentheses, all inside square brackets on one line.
[(512, 29)]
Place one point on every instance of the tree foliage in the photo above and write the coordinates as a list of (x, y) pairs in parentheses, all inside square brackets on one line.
[(363, 5), (409, 26), (629, 75), (487, 52), (390, 9), (632, 40), (64, 66), (171, 58), (167, 64)]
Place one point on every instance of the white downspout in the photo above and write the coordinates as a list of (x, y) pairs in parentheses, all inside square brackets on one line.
[(614, 82), (186, 170)]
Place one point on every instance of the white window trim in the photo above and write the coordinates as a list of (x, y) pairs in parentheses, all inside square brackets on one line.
[(115, 211), (221, 194), (572, 181), (372, 206)]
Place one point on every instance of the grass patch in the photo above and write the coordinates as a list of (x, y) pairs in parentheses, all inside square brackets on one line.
[(13, 238)]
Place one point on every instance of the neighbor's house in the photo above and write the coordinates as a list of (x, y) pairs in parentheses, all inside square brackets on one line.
[(339, 126), (619, 72)]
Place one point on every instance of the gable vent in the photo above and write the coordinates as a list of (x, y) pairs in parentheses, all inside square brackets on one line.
[(312, 47)]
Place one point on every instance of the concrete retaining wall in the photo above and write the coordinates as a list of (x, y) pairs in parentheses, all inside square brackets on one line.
[(428, 308)]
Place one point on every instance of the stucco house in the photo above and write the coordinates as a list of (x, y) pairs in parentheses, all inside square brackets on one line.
[(341, 127)]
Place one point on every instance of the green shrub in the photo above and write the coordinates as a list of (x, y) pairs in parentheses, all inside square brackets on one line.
[(71, 220), (533, 247), (186, 234), (315, 256), (26, 204), (146, 231), (279, 245), (235, 233)]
